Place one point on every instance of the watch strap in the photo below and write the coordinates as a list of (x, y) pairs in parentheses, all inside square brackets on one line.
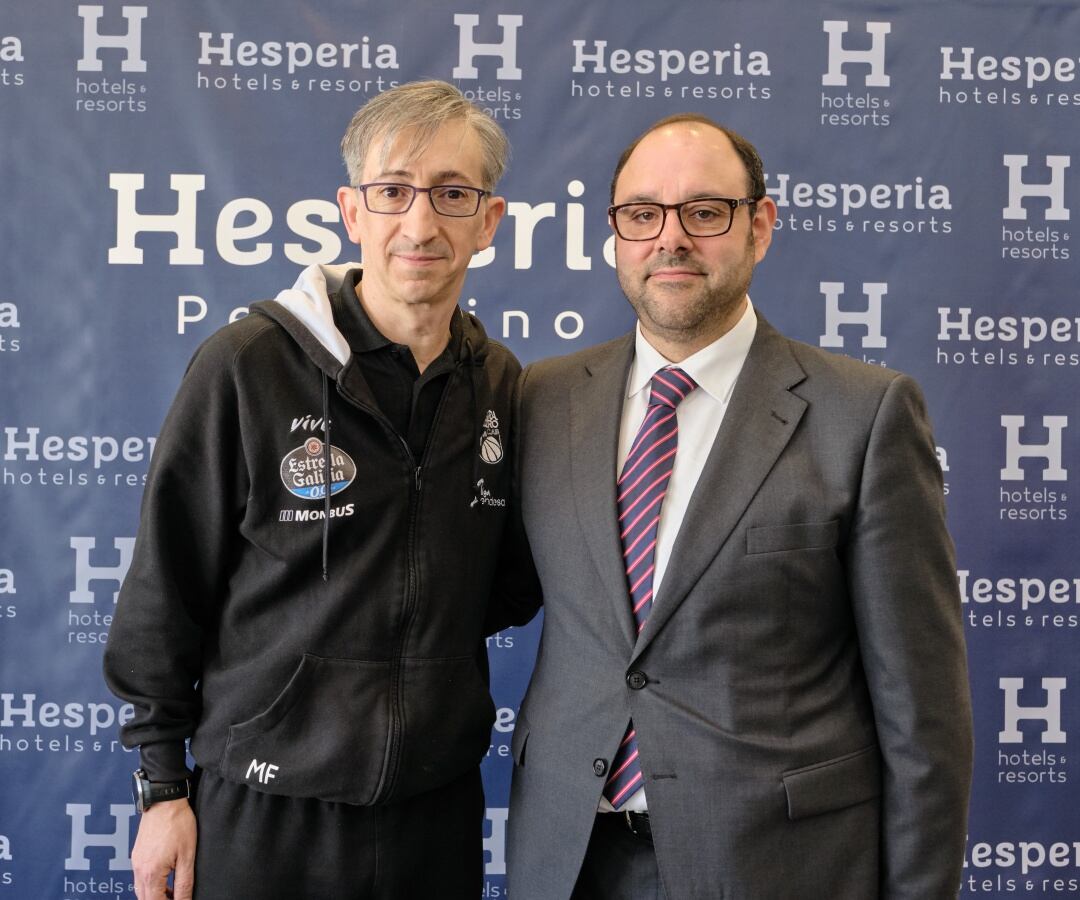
[(147, 792)]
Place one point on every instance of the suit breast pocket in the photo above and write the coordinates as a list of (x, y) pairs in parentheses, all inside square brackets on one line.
[(800, 536)]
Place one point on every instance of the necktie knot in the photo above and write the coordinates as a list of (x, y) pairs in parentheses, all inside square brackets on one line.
[(670, 386)]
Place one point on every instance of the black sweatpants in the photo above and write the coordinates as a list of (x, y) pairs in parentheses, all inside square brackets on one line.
[(257, 845)]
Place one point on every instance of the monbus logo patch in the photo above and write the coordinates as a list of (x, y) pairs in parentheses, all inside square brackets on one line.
[(303, 470)]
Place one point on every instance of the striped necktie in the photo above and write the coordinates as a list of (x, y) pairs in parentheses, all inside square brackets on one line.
[(640, 490)]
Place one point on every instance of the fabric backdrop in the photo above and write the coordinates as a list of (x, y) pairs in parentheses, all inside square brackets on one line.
[(164, 164)]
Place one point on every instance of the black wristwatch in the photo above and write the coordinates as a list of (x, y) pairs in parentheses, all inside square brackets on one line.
[(146, 792)]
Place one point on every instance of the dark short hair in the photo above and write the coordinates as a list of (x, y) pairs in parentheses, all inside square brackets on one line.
[(755, 171)]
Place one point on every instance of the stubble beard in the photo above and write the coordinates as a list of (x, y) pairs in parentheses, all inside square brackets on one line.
[(684, 314)]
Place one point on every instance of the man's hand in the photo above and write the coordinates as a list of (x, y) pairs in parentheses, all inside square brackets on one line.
[(165, 843)]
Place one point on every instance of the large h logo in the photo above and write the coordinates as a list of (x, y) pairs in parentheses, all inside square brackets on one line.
[(130, 222), (496, 843), (1014, 712), (870, 318), (839, 56), (468, 49), (1050, 451), (1019, 189), (94, 40), (118, 840), (85, 572)]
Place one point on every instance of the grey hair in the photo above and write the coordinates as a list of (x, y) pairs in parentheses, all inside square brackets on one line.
[(421, 107)]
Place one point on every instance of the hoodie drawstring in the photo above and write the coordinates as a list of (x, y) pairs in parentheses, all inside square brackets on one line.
[(328, 477), (470, 364)]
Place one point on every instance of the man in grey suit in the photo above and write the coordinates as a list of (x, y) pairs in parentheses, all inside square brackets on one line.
[(752, 679)]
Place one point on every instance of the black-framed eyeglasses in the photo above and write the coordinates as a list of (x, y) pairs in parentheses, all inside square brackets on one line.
[(391, 199), (700, 217)]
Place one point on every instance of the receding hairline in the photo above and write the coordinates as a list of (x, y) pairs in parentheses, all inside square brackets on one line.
[(685, 125), (746, 152), (671, 127)]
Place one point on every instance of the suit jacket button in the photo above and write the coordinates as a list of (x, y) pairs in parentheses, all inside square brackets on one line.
[(599, 767), (637, 680)]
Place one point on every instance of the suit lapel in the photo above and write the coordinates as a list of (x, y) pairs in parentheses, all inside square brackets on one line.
[(595, 414), (759, 422)]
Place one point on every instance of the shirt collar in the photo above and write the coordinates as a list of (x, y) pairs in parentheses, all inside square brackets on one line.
[(714, 367), (352, 319), (354, 323)]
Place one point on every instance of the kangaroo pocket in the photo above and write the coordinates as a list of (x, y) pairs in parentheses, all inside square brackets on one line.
[(324, 736), (446, 730)]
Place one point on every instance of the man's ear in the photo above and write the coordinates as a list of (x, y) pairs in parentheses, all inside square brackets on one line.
[(762, 226), (494, 210), (348, 201)]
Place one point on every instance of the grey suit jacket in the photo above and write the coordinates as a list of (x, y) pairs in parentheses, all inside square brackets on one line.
[(805, 725)]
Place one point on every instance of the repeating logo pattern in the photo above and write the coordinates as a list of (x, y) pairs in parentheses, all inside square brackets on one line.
[(923, 174)]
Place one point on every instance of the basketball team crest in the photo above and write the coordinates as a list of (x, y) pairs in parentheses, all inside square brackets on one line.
[(491, 449)]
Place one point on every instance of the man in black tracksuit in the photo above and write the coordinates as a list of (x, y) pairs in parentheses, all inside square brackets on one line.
[(321, 529)]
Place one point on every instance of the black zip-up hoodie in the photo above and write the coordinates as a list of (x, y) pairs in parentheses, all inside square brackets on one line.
[(314, 644)]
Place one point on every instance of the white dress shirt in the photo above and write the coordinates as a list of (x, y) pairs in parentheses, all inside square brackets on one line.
[(715, 368)]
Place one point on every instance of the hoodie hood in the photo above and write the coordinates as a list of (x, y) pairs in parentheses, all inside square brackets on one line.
[(304, 311)]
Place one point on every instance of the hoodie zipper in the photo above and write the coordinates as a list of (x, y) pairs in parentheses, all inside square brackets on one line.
[(393, 752), (397, 717)]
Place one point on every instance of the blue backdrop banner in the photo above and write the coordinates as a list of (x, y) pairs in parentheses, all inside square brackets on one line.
[(163, 165)]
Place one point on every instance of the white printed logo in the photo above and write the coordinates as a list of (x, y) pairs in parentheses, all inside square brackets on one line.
[(1014, 712), (117, 840), (839, 56), (491, 449), (263, 771), (870, 318), (85, 572), (94, 40), (130, 222), (1054, 190), (469, 49), (483, 497), (496, 843), (1050, 451)]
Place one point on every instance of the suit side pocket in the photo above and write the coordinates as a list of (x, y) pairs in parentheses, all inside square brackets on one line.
[(833, 784)]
